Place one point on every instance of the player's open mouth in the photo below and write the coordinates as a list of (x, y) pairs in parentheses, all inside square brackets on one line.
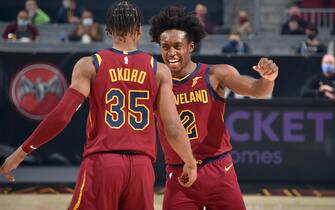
[(173, 61), (174, 64)]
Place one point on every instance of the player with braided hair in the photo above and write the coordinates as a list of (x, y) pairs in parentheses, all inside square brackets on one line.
[(199, 89), (125, 86)]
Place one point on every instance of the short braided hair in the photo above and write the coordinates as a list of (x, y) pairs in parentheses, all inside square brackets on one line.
[(123, 17)]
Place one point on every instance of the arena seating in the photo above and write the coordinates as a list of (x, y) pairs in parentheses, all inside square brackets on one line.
[(49, 40)]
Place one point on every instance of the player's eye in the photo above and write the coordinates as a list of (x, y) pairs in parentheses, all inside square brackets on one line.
[(178, 46), (165, 47)]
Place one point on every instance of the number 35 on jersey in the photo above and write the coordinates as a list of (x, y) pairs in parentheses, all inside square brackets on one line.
[(136, 114)]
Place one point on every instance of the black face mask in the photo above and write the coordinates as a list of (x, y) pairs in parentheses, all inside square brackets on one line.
[(311, 36), (233, 43)]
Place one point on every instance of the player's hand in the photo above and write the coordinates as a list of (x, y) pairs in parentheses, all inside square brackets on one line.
[(11, 163), (74, 20), (188, 176), (330, 95), (267, 69), (326, 88)]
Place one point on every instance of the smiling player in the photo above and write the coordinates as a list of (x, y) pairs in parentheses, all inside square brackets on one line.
[(199, 90)]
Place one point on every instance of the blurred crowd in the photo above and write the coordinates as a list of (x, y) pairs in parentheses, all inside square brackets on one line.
[(87, 30), (24, 27)]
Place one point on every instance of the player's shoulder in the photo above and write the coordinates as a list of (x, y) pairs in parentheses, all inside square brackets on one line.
[(86, 60), (221, 72), (222, 69), (85, 65), (162, 68), (163, 72), (146, 56)]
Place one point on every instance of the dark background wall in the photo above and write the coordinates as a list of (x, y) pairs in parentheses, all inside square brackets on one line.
[(284, 139), (293, 72)]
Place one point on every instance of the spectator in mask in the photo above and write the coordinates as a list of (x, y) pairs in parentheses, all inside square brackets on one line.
[(70, 12), (201, 13), (292, 27), (295, 24), (236, 45), (243, 25), (36, 15), (87, 30), (322, 85), (312, 45), (21, 29)]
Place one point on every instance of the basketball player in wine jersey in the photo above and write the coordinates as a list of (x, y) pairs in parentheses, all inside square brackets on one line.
[(124, 86), (199, 89)]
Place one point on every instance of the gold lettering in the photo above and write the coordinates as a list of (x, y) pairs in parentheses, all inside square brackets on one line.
[(181, 98), (192, 97), (141, 77), (126, 74), (177, 99), (198, 95), (119, 74), (186, 99), (134, 74), (112, 74), (204, 96)]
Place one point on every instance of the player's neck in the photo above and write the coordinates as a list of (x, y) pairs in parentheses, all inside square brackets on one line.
[(125, 47), (186, 70), (125, 44)]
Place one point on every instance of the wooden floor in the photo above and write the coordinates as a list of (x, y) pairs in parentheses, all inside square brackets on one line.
[(61, 201)]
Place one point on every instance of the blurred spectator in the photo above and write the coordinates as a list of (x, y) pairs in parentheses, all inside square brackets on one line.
[(243, 25), (322, 85), (295, 2), (295, 24), (312, 44), (36, 15), (291, 27), (202, 13), (87, 30), (236, 45), (21, 29), (70, 12)]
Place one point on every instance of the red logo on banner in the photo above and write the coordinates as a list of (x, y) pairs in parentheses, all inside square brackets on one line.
[(36, 89)]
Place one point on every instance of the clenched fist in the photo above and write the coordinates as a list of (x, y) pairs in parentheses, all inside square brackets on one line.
[(267, 69)]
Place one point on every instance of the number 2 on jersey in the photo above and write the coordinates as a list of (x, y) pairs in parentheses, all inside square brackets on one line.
[(138, 114), (187, 118)]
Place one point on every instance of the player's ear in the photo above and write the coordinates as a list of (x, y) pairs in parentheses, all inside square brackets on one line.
[(109, 31), (139, 30), (191, 47)]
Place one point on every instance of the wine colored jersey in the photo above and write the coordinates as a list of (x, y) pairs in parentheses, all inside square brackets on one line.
[(201, 111), (122, 100)]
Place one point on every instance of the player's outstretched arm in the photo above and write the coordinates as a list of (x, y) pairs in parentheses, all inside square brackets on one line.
[(58, 118), (174, 130), (228, 76)]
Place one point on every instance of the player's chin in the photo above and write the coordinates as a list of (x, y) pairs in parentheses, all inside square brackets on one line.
[(174, 68)]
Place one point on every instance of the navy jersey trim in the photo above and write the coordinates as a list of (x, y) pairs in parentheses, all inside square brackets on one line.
[(124, 52), (210, 88), (95, 62), (155, 66), (179, 82)]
